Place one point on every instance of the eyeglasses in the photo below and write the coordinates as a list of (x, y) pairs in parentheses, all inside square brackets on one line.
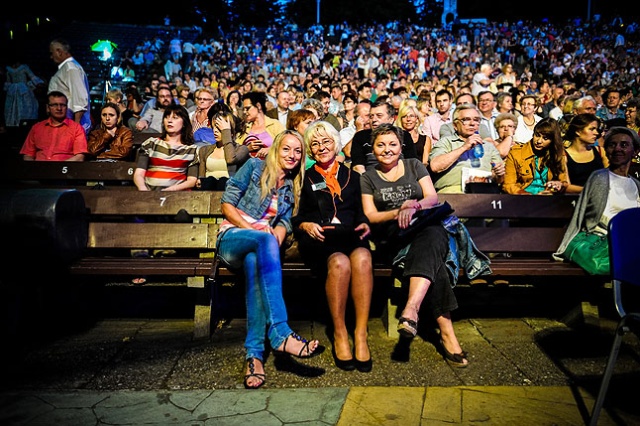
[(528, 104), (325, 143), (204, 99), (506, 126), (57, 105), (410, 116), (484, 101), (467, 121), (247, 108), (622, 145)]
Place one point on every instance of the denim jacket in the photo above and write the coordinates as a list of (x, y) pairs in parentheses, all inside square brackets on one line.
[(243, 192), (463, 252)]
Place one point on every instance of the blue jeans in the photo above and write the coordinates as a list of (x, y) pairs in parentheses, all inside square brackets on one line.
[(258, 254)]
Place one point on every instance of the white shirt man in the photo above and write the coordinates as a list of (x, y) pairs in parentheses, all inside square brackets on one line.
[(71, 80), (481, 80)]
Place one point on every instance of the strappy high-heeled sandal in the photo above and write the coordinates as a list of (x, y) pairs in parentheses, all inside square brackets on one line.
[(305, 351), (252, 373)]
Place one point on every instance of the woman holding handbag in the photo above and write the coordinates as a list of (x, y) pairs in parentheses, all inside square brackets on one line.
[(392, 192), (606, 193)]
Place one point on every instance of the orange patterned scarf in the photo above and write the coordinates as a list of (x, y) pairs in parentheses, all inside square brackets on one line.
[(330, 178)]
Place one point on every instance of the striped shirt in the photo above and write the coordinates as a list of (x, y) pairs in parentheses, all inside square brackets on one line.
[(166, 164), (257, 224)]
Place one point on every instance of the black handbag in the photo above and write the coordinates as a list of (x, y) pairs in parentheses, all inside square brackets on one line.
[(430, 216)]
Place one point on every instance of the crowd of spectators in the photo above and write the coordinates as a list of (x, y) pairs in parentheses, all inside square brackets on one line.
[(531, 70), (573, 54)]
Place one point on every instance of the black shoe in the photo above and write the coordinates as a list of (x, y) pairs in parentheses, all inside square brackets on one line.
[(364, 366), (455, 360), (407, 328), (343, 364)]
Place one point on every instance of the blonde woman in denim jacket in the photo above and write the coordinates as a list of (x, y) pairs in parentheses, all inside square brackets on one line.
[(258, 203)]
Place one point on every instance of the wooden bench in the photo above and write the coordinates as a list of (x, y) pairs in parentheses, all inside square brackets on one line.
[(121, 221), (536, 225), (15, 172)]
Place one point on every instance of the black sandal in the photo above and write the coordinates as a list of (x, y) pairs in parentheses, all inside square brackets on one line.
[(455, 360), (252, 373), (305, 351), (407, 328)]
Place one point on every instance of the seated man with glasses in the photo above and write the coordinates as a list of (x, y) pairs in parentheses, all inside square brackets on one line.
[(205, 98), (151, 120), (56, 138), (453, 160)]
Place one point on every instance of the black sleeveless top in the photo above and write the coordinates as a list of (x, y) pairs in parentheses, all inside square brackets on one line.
[(580, 172), (422, 139)]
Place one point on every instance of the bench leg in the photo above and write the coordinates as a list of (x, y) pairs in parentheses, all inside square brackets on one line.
[(202, 313), (585, 313), (390, 320), (390, 315)]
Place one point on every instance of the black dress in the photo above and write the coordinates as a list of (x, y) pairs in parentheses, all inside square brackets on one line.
[(319, 206)]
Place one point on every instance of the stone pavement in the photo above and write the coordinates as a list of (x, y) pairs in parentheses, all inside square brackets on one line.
[(531, 371), (465, 405), (114, 368)]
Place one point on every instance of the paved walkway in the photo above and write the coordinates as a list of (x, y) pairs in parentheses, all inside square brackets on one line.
[(465, 405), (531, 371)]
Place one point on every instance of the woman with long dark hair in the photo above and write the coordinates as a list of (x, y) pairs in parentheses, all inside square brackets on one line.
[(538, 166)]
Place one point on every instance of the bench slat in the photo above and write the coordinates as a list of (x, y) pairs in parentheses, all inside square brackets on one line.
[(517, 239), (133, 266), (299, 269), (514, 267), (69, 170), (152, 235), (511, 206), (116, 202), (517, 267)]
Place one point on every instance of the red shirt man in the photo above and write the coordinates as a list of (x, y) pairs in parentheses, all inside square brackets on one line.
[(57, 138)]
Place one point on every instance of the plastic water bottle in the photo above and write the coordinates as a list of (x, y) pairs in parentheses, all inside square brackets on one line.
[(478, 150), (476, 154)]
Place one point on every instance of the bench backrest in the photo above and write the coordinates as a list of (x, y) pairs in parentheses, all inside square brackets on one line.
[(517, 223), (67, 173), (512, 223), (153, 220), (497, 222)]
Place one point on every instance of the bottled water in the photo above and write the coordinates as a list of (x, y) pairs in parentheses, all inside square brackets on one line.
[(476, 154), (478, 150)]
